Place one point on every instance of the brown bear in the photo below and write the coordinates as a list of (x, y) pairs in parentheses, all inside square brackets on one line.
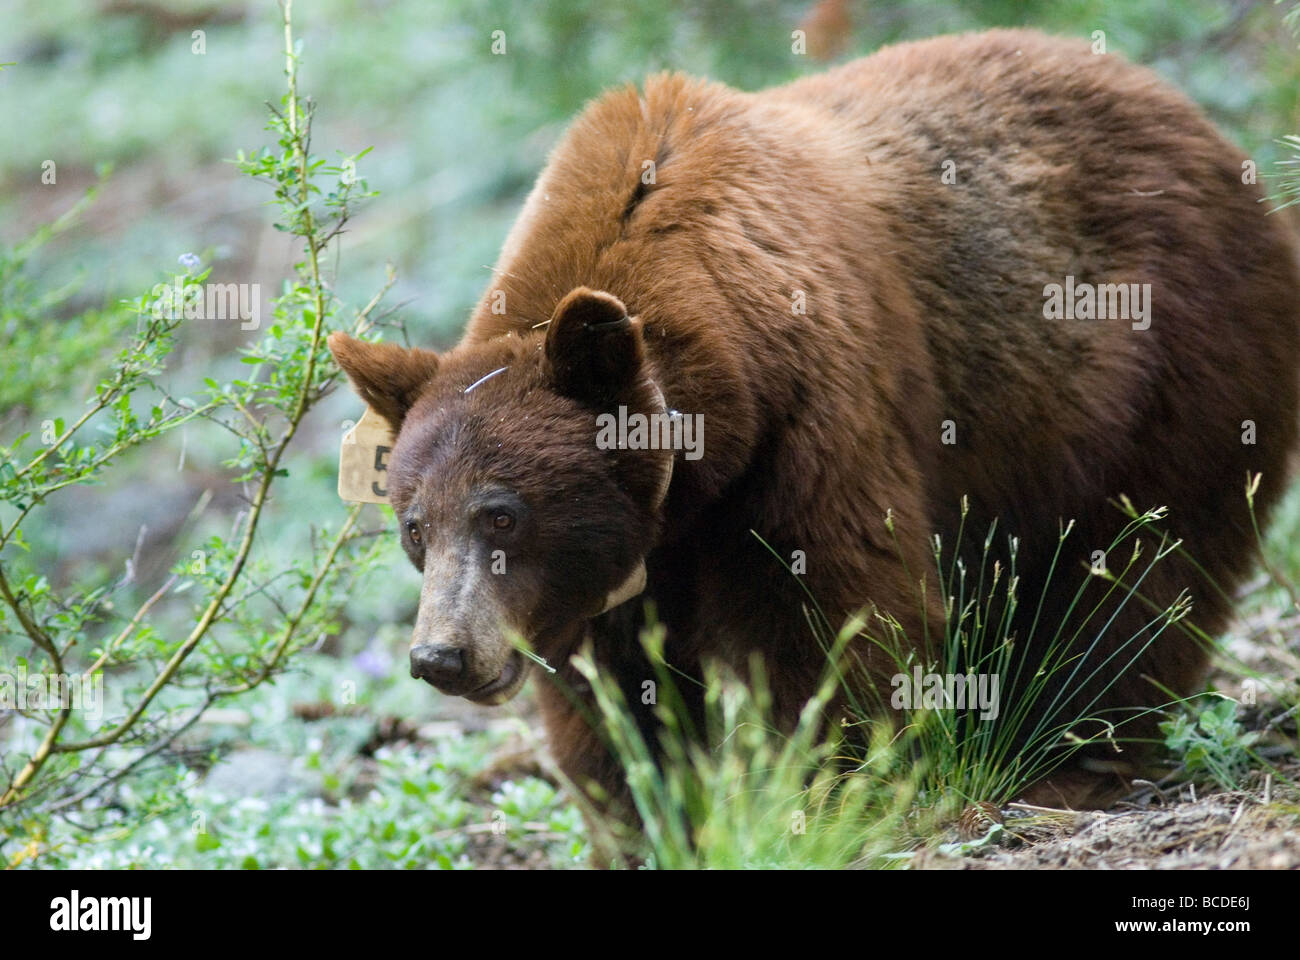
[(995, 268)]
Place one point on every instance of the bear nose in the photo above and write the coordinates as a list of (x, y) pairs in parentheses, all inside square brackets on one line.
[(440, 666)]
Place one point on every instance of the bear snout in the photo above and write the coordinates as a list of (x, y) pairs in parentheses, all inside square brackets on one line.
[(441, 666)]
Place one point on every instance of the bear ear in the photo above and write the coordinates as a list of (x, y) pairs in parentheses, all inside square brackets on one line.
[(387, 377), (594, 349)]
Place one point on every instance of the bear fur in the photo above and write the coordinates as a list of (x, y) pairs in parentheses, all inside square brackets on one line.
[(867, 343)]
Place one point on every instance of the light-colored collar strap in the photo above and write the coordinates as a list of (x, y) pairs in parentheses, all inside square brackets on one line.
[(666, 481), (635, 583), (626, 590)]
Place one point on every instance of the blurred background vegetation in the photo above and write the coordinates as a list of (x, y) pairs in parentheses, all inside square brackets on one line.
[(458, 135)]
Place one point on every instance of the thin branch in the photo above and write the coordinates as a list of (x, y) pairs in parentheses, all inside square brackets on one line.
[(140, 614), (308, 600), (153, 751)]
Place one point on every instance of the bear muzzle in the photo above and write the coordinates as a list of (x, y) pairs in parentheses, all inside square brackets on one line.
[(460, 643), (444, 667)]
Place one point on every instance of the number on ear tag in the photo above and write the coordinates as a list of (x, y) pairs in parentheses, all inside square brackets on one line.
[(363, 460)]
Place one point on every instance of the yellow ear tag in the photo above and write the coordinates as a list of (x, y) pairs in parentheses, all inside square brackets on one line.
[(363, 460)]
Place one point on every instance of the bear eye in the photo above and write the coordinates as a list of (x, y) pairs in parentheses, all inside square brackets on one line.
[(413, 531), (502, 520)]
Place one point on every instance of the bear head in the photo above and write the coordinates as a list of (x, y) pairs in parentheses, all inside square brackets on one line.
[(522, 522)]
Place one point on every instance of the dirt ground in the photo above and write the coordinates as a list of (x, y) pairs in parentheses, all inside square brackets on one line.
[(1257, 827), (1171, 825)]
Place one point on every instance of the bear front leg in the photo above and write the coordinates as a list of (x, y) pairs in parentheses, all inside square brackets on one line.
[(573, 721), (577, 731)]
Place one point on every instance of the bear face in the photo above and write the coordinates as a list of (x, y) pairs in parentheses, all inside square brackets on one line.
[(504, 499)]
